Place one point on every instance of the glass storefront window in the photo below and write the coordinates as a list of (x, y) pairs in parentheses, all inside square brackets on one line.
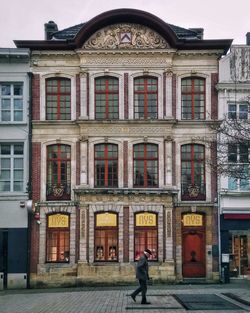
[(239, 252)]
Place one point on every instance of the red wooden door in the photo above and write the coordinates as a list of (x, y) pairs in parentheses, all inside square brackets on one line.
[(193, 253)]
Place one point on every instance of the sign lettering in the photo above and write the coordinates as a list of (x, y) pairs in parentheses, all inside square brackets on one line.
[(58, 220), (192, 220), (145, 219), (106, 219)]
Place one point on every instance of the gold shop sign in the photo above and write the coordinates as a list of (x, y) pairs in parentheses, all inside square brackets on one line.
[(192, 220), (106, 219), (58, 220), (145, 219)]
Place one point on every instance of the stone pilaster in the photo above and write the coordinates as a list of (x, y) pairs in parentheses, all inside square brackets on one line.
[(84, 95)]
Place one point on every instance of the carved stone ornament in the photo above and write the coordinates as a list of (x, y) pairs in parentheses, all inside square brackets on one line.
[(126, 36), (193, 191)]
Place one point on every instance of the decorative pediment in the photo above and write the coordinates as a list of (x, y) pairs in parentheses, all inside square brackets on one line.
[(126, 36)]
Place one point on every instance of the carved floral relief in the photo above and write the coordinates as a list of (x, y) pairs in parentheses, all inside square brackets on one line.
[(126, 36)]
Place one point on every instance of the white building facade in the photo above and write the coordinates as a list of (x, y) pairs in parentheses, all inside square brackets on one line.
[(234, 193), (14, 167)]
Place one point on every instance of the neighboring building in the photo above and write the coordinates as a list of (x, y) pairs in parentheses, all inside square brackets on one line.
[(14, 166), (234, 95), (121, 105)]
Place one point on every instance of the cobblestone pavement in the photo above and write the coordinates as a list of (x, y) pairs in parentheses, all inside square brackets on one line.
[(117, 299)]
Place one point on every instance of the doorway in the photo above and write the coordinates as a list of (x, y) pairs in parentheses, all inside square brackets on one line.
[(193, 246), (3, 258), (238, 248)]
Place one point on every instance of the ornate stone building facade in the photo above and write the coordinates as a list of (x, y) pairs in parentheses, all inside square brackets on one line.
[(120, 108)]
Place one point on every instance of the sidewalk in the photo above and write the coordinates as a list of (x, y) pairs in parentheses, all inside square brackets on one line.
[(117, 299)]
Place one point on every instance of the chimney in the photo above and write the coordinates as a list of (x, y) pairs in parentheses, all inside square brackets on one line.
[(248, 39), (49, 29), (198, 31)]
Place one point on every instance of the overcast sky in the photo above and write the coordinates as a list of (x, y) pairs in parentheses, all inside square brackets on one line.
[(221, 19)]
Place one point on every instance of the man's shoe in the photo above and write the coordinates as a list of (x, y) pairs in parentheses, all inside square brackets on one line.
[(133, 297), (146, 302)]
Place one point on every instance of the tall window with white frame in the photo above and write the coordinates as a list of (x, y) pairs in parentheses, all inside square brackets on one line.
[(145, 165), (12, 167), (145, 98), (107, 98), (238, 161), (106, 165), (193, 172), (193, 94), (58, 172), (11, 102), (58, 99)]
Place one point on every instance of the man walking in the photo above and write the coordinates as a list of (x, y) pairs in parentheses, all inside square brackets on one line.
[(142, 276)]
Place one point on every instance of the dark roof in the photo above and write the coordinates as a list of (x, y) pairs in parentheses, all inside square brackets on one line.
[(71, 32), (73, 37), (67, 33)]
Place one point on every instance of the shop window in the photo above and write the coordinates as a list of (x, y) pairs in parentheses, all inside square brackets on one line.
[(11, 167), (145, 98), (146, 235), (11, 102), (58, 99), (58, 172), (106, 237), (193, 172), (106, 165), (193, 98), (58, 234), (145, 165), (106, 98)]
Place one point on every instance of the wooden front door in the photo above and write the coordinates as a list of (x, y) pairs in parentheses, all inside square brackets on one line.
[(193, 252)]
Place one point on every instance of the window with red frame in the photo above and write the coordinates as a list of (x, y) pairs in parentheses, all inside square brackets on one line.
[(193, 98), (146, 237), (193, 172), (106, 165), (106, 237), (145, 98), (145, 165), (58, 172), (58, 235), (106, 98), (58, 103)]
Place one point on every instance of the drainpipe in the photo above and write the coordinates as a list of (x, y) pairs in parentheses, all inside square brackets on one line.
[(30, 177)]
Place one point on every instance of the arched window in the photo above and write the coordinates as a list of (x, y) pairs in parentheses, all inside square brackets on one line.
[(193, 98), (106, 98), (106, 165), (145, 98), (145, 165), (193, 185), (58, 172), (58, 232), (146, 234), (106, 237), (58, 94)]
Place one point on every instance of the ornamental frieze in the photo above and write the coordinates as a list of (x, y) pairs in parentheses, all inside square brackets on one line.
[(126, 199), (124, 130), (125, 36), (124, 60)]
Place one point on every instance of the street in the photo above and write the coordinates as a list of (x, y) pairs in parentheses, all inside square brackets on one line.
[(222, 298)]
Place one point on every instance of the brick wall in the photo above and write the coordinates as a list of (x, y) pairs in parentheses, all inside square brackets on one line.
[(125, 164), (125, 95), (36, 97), (174, 95), (126, 234), (78, 163), (214, 96), (36, 170), (77, 96)]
